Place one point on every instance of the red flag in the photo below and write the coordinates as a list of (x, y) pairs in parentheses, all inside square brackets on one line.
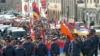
[(65, 31), (71, 27), (86, 27), (32, 34), (42, 34)]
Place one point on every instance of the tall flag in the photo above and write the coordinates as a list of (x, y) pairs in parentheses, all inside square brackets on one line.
[(36, 12), (71, 27), (42, 34), (32, 34), (65, 31)]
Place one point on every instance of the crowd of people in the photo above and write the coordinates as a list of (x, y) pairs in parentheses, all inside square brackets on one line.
[(53, 46), (54, 43)]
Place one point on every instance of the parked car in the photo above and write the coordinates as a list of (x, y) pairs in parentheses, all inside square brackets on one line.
[(16, 32)]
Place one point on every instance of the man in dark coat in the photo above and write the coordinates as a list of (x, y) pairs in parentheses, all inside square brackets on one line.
[(55, 51), (19, 50), (75, 46), (29, 46), (41, 49), (95, 40), (8, 50), (66, 46), (88, 46)]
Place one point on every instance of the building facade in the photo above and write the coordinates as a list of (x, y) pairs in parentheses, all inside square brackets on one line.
[(89, 10), (54, 9), (9, 4), (68, 9)]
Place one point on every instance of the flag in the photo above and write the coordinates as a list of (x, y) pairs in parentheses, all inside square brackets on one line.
[(80, 30), (32, 34), (36, 12), (85, 25), (42, 34), (71, 27), (65, 31)]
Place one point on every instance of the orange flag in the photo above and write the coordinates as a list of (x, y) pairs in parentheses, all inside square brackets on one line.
[(65, 31)]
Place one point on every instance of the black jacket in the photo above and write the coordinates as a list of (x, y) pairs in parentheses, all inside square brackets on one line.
[(41, 50), (9, 51), (55, 49), (29, 47), (20, 52)]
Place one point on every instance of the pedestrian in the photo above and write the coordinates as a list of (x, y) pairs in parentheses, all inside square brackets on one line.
[(55, 51), (29, 46), (75, 46), (8, 50), (88, 46), (95, 40), (66, 46), (41, 49), (20, 50)]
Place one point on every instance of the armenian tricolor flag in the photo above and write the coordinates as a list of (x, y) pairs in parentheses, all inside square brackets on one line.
[(80, 30), (36, 12)]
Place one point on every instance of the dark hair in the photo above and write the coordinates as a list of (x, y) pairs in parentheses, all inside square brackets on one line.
[(19, 42), (8, 40)]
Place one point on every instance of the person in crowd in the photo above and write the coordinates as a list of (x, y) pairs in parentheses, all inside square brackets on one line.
[(1, 51), (75, 46), (48, 44), (95, 40), (83, 38), (54, 48), (66, 46), (8, 50), (41, 49), (13, 43), (88, 46), (20, 50), (29, 46)]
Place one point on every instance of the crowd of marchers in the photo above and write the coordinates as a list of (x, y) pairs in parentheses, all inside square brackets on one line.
[(52, 46)]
